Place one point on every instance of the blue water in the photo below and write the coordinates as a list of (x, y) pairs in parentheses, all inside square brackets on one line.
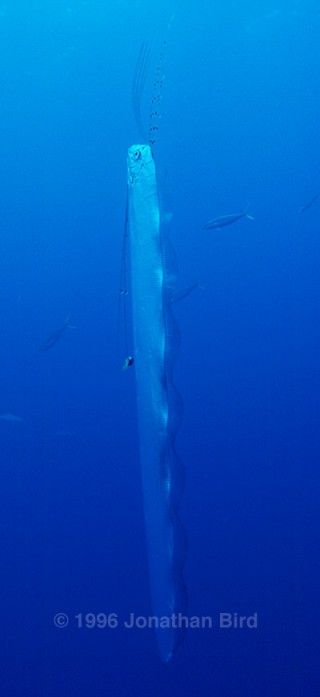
[(240, 126)]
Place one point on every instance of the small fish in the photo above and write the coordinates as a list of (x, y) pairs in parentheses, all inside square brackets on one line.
[(224, 220), (310, 203), (182, 294), (56, 336), (64, 434), (11, 418)]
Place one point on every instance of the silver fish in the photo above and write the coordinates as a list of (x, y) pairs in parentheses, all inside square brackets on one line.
[(225, 220), (310, 203), (56, 336), (11, 418)]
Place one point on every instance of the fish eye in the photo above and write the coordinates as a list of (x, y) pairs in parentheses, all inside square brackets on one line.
[(137, 155)]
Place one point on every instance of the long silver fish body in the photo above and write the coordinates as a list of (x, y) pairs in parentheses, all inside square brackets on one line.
[(159, 464)]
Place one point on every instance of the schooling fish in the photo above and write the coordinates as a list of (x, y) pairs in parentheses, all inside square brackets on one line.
[(225, 220), (56, 336)]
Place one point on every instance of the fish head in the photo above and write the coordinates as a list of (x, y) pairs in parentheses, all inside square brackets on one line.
[(139, 157)]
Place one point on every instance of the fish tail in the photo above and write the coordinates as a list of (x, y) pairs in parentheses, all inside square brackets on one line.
[(247, 214), (68, 323)]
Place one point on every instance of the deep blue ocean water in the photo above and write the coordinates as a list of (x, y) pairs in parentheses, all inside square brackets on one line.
[(240, 126)]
